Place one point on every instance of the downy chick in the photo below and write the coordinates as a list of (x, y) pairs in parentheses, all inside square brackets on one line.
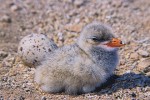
[(83, 66)]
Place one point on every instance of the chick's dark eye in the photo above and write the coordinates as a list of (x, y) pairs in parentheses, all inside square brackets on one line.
[(95, 39)]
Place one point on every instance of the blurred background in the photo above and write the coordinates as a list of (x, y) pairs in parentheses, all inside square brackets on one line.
[(62, 20)]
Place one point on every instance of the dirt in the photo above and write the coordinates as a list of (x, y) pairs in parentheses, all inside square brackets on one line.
[(62, 20)]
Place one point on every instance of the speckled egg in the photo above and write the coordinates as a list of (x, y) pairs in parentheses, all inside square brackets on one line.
[(34, 47)]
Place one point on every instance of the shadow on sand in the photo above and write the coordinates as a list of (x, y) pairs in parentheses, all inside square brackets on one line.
[(125, 81)]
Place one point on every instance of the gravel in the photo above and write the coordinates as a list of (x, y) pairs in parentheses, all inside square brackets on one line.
[(3, 55), (143, 53), (62, 21)]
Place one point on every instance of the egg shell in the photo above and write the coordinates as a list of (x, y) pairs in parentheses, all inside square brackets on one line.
[(33, 48)]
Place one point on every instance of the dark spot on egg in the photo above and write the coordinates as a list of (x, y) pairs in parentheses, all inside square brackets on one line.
[(37, 46), (49, 50), (33, 46), (33, 53), (27, 52), (42, 39), (44, 48), (35, 60), (21, 48)]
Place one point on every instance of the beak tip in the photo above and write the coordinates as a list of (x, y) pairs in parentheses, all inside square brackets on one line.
[(116, 43)]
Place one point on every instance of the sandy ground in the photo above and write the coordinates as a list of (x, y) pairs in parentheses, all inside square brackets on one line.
[(62, 20)]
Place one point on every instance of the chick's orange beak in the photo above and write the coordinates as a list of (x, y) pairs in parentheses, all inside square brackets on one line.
[(115, 42)]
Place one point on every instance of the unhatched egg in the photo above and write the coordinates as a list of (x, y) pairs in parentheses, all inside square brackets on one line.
[(34, 47)]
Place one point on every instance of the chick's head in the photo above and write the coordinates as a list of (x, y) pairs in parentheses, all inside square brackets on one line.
[(97, 35)]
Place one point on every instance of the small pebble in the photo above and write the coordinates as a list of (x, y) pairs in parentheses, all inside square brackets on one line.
[(22, 98), (1, 98), (134, 56), (14, 8), (143, 53), (8, 61), (78, 2), (43, 98), (3, 55), (144, 63), (5, 19), (133, 95)]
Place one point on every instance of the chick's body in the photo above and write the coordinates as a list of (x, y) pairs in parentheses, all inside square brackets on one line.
[(76, 68)]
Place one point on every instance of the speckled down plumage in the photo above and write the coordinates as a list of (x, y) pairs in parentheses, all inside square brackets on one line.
[(78, 68)]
